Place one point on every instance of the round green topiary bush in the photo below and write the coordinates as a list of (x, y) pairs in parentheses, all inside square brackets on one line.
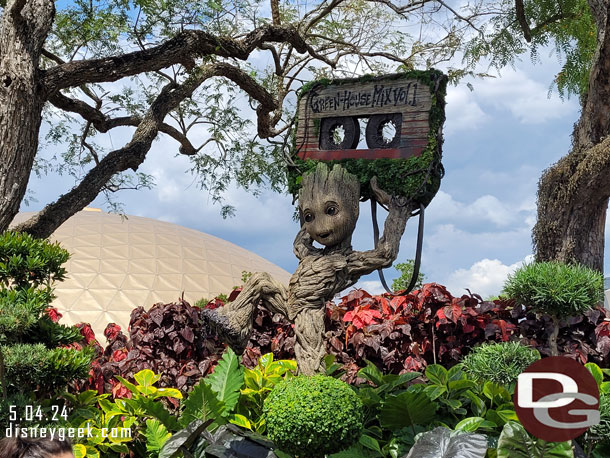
[(561, 290), (500, 363), (313, 416)]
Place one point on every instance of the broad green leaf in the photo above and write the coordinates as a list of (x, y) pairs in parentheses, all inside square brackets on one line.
[(456, 373), (399, 380), (496, 393), (469, 424), (596, 372), (157, 410), (130, 386), (240, 420), (435, 391), (227, 379), (604, 387), (443, 443), (147, 390), (92, 452), (515, 442), (369, 397), (476, 404), (168, 393), (437, 374), (371, 373), (406, 409), (79, 450), (202, 404), (458, 385), (507, 415), (108, 406), (453, 404), (370, 443), (264, 361), (156, 435), (147, 378), (281, 366), (253, 379)]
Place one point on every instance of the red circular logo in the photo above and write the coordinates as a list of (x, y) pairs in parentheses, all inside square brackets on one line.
[(557, 399)]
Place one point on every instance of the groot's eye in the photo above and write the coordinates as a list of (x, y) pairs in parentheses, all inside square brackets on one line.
[(332, 210), (308, 217)]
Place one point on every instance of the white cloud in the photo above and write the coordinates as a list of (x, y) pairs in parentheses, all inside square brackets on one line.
[(485, 277), (525, 98), (372, 287), (486, 208), (463, 111)]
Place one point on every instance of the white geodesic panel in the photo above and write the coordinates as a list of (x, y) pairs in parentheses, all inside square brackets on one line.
[(117, 265)]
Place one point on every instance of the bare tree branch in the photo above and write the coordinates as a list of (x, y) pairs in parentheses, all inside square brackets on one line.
[(520, 12), (182, 49), (276, 57), (275, 12), (103, 124), (462, 18)]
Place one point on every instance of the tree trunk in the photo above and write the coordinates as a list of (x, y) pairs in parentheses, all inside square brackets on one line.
[(24, 27), (573, 193)]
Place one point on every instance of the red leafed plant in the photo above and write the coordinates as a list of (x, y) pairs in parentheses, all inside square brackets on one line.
[(431, 326), (362, 316), (397, 333)]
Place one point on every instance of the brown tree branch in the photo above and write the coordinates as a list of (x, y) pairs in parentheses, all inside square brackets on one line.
[(520, 12), (103, 124), (16, 7), (276, 57), (130, 156), (275, 12), (182, 49)]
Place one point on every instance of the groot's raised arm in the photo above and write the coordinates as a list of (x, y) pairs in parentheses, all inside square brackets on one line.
[(364, 262)]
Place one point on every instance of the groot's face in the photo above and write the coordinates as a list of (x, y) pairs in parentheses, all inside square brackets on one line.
[(328, 220)]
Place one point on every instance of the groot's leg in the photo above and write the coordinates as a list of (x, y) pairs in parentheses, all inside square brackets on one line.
[(310, 347), (233, 322)]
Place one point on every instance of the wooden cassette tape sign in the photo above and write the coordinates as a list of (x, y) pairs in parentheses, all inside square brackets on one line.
[(396, 110)]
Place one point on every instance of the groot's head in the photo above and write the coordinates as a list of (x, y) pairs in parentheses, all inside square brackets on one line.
[(329, 204)]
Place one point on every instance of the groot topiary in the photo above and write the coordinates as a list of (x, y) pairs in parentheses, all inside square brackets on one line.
[(557, 289), (313, 416), (500, 363)]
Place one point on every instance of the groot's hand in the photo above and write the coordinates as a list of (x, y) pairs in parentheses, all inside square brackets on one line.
[(384, 198), (380, 195)]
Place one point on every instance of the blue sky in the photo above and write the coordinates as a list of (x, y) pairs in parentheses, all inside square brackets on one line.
[(498, 140)]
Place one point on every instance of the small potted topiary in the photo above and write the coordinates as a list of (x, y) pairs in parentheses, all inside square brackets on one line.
[(310, 417), (500, 362), (557, 289)]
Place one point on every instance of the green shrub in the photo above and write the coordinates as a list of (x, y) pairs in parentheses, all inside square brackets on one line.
[(313, 416), (30, 362), (406, 273), (557, 289), (561, 290), (500, 363), (33, 367), (602, 430)]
